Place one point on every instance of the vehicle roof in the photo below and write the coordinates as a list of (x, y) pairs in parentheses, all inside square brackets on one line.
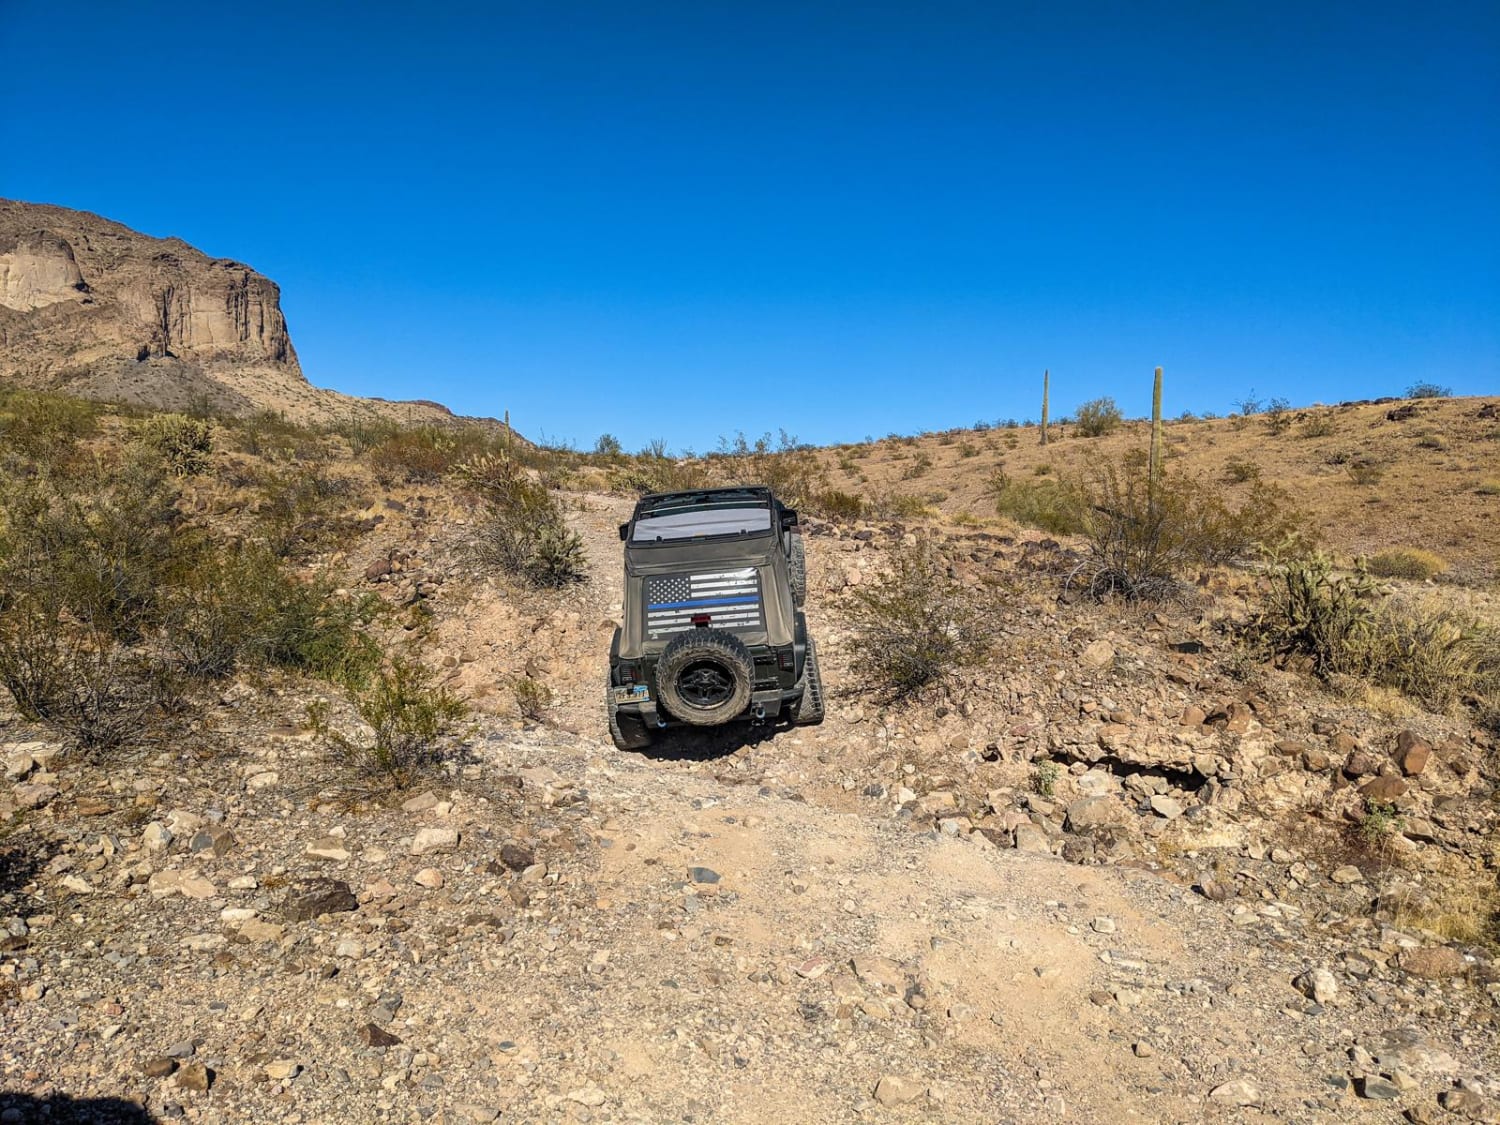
[(755, 493)]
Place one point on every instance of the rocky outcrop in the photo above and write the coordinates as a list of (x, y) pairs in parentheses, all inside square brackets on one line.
[(92, 307)]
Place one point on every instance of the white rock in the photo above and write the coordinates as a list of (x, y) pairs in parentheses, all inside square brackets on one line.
[(1320, 985), (157, 837), (430, 840)]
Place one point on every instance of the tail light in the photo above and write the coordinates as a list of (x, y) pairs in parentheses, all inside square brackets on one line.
[(787, 660)]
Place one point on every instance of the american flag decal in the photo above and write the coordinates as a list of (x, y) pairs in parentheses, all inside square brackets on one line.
[(730, 598)]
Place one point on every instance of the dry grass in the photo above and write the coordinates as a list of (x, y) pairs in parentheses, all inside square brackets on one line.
[(1406, 562), (1417, 500)]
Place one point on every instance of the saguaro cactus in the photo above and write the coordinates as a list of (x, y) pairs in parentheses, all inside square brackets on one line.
[(1156, 432), (1046, 382)]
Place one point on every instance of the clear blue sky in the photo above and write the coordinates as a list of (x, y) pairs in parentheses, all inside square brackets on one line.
[(682, 220)]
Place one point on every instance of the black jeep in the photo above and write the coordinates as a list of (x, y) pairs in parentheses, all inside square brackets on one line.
[(714, 631)]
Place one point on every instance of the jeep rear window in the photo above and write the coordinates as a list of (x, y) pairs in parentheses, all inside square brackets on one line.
[(698, 522)]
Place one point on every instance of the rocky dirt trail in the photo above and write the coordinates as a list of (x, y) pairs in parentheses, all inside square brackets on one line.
[(875, 919)]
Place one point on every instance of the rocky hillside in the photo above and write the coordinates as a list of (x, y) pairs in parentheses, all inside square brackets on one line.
[(101, 311), (1120, 870)]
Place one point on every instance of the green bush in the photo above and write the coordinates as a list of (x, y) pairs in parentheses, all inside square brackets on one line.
[(1142, 537), (47, 427), (1097, 417), (1428, 390), (100, 544), (184, 444), (835, 505), (1054, 506), (241, 607), (522, 530), (532, 698), (411, 723), (913, 629)]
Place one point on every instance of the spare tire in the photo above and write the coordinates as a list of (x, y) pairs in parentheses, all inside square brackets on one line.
[(705, 677)]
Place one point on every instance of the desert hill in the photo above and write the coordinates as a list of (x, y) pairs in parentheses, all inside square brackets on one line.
[(1128, 864), (90, 307), (1370, 476)]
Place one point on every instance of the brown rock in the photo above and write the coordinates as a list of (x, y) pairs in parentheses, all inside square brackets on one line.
[(1433, 962), (1358, 763), (159, 1067), (1412, 753), (311, 897), (1384, 789), (1096, 812), (1341, 744), (195, 1076), (1193, 717), (372, 1035)]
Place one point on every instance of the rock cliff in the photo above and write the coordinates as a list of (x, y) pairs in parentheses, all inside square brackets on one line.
[(93, 308)]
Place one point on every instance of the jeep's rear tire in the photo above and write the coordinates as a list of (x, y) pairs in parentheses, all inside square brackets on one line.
[(808, 711), (628, 731), (705, 677), (796, 566)]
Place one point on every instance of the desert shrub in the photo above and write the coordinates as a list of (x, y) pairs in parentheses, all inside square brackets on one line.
[(1428, 390), (42, 426), (789, 467), (302, 509), (411, 724), (532, 698), (1240, 472), (919, 466), (1247, 405), (1097, 417), (99, 545), (893, 505), (835, 505), (184, 444), (1431, 440), (1345, 624), (1488, 488), (1278, 416), (1054, 506), (1318, 426), (1043, 779), (1365, 474), (522, 531), (914, 628), (419, 455), (271, 436), (1141, 538), (968, 449), (643, 475), (1406, 562), (608, 446), (81, 683), (241, 607)]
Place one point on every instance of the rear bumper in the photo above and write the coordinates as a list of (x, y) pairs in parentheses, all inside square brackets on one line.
[(765, 707)]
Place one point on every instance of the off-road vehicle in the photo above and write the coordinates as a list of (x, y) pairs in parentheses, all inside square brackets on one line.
[(713, 628)]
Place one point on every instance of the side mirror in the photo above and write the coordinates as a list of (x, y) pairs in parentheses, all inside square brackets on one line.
[(788, 519), (624, 532)]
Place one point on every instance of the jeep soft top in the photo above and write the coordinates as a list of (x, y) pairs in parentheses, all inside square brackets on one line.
[(713, 630)]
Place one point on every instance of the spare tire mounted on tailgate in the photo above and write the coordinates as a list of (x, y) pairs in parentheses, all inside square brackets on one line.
[(705, 677)]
